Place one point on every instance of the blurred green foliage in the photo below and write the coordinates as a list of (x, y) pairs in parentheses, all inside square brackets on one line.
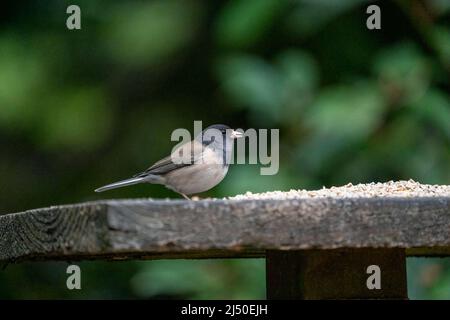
[(79, 109)]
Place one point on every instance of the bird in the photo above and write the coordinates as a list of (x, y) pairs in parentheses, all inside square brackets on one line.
[(208, 157)]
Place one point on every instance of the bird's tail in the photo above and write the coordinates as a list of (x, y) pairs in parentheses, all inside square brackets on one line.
[(119, 184)]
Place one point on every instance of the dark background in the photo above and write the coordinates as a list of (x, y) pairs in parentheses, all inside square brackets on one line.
[(82, 108)]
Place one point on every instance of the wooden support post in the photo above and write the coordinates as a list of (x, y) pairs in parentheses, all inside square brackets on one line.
[(335, 274)]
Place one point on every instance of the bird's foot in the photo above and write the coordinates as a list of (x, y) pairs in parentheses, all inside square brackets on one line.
[(185, 196)]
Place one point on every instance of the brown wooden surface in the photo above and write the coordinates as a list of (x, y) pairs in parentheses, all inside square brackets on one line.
[(335, 274), (145, 229)]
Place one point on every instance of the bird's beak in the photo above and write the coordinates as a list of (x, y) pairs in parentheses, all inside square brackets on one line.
[(236, 134)]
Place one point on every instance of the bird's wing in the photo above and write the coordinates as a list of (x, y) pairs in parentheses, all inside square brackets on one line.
[(165, 165)]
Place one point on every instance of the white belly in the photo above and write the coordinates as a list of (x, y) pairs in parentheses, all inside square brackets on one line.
[(195, 178)]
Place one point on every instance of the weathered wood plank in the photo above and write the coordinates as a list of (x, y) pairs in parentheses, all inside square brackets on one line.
[(335, 274), (146, 229)]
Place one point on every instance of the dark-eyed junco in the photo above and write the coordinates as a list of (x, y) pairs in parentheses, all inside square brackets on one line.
[(192, 168)]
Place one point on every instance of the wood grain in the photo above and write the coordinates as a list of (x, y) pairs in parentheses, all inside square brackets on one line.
[(147, 229)]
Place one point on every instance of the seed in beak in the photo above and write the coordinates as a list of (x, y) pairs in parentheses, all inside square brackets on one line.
[(236, 134)]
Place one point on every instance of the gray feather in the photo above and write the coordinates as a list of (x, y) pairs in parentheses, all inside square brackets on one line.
[(119, 184)]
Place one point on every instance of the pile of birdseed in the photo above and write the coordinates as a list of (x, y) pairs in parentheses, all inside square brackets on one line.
[(408, 188)]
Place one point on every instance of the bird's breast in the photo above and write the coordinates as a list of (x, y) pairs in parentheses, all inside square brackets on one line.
[(196, 178)]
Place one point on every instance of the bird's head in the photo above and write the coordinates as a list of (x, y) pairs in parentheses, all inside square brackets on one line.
[(219, 134)]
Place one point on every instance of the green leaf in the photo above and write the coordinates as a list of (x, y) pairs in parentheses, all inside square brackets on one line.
[(78, 118), (434, 107), (440, 37), (207, 279), (299, 80), (22, 75), (272, 91), (252, 83), (404, 73), (349, 112), (147, 33), (308, 16), (242, 23)]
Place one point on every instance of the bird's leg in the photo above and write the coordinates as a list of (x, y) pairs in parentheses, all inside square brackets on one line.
[(185, 196)]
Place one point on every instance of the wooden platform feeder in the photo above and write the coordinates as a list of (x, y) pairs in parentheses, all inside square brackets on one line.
[(314, 248)]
